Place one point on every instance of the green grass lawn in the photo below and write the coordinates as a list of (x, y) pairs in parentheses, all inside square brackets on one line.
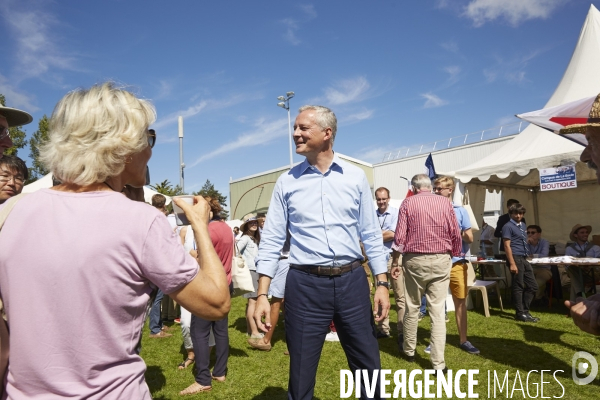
[(506, 345)]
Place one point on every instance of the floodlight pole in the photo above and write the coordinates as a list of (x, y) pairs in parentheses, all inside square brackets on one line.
[(181, 164), (285, 103)]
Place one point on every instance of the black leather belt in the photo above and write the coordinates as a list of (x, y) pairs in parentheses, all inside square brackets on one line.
[(327, 271), (283, 258)]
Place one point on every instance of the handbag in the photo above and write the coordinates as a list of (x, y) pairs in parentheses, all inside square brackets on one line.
[(467, 206), (4, 332), (240, 275)]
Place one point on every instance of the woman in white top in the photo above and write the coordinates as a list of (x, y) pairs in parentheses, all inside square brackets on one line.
[(248, 248)]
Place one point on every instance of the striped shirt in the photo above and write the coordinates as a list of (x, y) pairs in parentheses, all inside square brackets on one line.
[(427, 225)]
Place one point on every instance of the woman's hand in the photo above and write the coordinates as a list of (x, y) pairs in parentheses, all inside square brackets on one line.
[(199, 213)]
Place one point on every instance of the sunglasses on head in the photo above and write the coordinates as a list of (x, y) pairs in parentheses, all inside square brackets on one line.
[(151, 137)]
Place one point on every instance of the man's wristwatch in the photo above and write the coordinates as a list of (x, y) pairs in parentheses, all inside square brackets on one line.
[(382, 283)]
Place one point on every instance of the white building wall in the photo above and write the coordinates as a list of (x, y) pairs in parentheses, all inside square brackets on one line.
[(445, 161)]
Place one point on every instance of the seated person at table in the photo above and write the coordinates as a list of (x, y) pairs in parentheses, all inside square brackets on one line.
[(524, 285), (580, 248), (538, 247)]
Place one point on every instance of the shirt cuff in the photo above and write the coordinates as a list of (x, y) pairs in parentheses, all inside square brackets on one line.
[(379, 264), (399, 248)]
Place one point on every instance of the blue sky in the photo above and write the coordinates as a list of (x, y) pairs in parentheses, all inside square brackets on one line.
[(396, 73)]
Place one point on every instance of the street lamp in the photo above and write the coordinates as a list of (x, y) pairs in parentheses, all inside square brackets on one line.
[(285, 103)]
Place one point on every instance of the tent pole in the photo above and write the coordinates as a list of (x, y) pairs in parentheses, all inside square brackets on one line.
[(536, 214)]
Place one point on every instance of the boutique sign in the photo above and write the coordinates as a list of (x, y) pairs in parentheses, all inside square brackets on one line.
[(563, 177)]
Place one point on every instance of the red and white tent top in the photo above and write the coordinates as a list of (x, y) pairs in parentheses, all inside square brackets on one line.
[(536, 147)]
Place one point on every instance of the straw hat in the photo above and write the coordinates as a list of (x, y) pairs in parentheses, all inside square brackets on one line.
[(593, 120), (15, 117), (247, 218), (578, 227)]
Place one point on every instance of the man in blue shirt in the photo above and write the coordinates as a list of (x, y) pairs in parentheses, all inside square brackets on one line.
[(387, 218), (444, 186), (524, 285), (327, 206)]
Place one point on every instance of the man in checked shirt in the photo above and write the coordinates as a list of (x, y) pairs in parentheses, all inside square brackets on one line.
[(428, 236)]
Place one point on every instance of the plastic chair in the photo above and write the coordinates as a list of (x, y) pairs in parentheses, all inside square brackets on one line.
[(482, 286)]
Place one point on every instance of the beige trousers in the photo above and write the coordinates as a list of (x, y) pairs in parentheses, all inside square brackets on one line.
[(397, 286), (429, 274), (542, 275)]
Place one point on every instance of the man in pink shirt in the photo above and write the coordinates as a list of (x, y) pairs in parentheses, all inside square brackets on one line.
[(428, 236)]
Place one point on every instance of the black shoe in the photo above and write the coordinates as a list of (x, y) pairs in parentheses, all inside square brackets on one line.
[(525, 318), (410, 359), (535, 319), (382, 335)]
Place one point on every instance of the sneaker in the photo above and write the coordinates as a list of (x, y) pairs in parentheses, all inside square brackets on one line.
[(161, 334), (428, 349), (332, 337), (421, 316), (446, 318), (177, 320), (469, 348)]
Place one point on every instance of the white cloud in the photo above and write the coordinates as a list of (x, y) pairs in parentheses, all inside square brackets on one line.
[(15, 98), (164, 90), (372, 155), (290, 33), (347, 91), (203, 105), (513, 11), (511, 70), (309, 10), (490, 76), (432, 101), (357, 117), (37, 50), (450, 46), (454, 72), (265, 132)]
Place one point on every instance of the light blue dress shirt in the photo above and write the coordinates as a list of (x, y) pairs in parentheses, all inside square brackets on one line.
[(388, 221), (326, 214)]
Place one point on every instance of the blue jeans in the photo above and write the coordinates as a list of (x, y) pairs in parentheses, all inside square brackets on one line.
[(423, 308), (155, 322)]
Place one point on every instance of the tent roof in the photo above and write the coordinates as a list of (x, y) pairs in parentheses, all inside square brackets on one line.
[(535, 147)]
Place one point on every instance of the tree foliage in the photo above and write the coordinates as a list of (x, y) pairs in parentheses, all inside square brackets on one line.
[(209, 190), (165, 187), (39, 137), (17, 135)]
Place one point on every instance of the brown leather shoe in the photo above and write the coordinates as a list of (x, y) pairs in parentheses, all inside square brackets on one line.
[(161, 334), (259, 345)]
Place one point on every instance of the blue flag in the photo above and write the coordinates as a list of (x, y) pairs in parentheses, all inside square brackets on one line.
[(430, 167)]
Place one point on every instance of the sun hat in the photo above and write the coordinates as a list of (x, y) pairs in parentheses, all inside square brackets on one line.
[(593, 120), (247, 218), (578, 227), (15, 117)]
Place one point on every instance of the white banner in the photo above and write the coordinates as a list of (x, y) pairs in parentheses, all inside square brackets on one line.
[(563, 177)]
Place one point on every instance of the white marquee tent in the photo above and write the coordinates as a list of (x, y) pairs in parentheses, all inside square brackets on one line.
[(46, 182), (514, 167)]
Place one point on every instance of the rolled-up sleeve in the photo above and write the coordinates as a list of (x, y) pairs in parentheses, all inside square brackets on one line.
[(370, 231), (274, 233), (454, 231)]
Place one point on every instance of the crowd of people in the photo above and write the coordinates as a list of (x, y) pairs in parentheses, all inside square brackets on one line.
[(306, 257)]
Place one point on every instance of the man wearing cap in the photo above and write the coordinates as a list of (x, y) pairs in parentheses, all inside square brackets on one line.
[(327, 206), (10, 117), (586, 313), (580, 248)]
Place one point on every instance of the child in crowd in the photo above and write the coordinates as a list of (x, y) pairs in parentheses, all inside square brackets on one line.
[(524, 285)]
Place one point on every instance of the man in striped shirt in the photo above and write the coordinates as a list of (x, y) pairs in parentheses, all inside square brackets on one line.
[(428, 236)]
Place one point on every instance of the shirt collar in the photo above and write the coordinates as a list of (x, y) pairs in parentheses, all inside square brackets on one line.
[(336, 164), (387, 211), (517, 224)]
